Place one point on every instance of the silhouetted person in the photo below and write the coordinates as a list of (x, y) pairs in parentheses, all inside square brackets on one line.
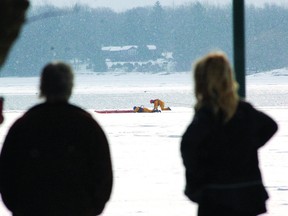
[(1, 110), (219, 148), (55, 160), (12, 18), (13, 14)]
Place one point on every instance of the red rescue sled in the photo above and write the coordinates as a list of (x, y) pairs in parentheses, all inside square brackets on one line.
[(113, 111)]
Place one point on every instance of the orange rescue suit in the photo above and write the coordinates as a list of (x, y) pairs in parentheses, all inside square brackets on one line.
[(160, 103)]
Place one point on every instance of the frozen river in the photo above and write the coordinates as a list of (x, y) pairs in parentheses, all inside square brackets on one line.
[(148, 171)]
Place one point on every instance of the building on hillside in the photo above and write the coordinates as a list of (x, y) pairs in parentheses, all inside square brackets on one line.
[(136, 58)]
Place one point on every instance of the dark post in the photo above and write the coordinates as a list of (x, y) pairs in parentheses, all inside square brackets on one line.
[(239, 44)]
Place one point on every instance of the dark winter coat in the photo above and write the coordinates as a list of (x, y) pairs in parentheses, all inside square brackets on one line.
[(221, 159), (55, 161)]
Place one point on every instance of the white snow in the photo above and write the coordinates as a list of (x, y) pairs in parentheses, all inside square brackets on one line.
[(148, 171)]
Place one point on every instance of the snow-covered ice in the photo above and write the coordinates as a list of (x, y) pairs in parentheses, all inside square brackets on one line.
[(148, 171)]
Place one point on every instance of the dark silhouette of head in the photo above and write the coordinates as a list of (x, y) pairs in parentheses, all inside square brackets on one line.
[(56, 82)]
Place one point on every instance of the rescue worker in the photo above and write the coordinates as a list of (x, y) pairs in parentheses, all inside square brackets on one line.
[(158, 103)]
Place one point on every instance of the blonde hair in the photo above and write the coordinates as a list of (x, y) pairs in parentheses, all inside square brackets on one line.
[(56, 82), (215, 85)]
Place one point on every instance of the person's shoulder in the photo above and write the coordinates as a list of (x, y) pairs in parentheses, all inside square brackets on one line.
[(245, 106), (65, 108), (205, 113), (204, 110), (22, 121), (83, 117), (247, 111), (32, 112), (36, 108), (60, 107), (79, 110)]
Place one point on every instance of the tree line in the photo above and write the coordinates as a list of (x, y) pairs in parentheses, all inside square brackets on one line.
[(76, 34)]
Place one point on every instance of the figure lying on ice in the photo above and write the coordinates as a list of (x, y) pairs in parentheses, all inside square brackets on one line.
[(144, 109)]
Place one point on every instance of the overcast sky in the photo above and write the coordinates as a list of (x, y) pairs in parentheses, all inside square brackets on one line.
[(120, 5)]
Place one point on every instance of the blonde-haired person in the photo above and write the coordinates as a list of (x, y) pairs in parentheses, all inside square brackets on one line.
[(56, 159), (219, 147)]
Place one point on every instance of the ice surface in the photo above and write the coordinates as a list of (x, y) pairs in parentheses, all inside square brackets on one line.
[(148, 171), (106, 91)]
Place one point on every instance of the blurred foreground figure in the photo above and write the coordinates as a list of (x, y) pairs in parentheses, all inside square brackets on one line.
[(55, 160), (12, 18), (219, 148), (1, 110)]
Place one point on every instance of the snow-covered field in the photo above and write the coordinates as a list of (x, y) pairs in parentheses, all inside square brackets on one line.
[(148, 171)]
